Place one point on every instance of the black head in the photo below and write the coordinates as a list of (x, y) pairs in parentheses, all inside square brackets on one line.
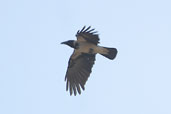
[(70, 43)]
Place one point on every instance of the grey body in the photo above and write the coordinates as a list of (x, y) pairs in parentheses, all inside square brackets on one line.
[(90, 48)]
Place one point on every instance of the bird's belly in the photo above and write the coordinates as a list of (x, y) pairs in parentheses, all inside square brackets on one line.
[(87, 48)]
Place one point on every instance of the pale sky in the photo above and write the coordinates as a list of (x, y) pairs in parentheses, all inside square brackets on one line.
[(33, 63)]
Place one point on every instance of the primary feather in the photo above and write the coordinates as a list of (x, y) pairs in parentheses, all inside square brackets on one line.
[(78, 71), (88, 35)]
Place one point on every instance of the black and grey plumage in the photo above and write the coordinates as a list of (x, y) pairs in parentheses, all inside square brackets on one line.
[(82, 60)]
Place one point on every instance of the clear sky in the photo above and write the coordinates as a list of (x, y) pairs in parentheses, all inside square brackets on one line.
[(33, 63)]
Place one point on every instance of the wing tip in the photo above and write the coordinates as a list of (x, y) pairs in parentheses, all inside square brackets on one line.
[(87, 30)]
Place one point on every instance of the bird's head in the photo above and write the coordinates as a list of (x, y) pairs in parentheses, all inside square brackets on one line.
[(70, 43)]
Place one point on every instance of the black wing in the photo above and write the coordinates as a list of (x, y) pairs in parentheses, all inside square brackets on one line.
[(78, 71), (87, 34)]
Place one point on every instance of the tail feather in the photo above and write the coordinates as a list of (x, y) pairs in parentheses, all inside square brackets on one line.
[(112, 52)]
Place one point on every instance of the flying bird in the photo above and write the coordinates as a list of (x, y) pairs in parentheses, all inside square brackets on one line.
[(82, 59)]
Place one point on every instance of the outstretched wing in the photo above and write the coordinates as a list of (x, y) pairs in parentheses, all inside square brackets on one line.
[(78, 71), (87, 34)]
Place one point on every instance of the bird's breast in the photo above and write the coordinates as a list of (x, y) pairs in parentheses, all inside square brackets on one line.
[(87, 48)]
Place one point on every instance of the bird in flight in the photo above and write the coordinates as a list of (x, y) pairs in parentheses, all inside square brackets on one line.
[(82, 59)]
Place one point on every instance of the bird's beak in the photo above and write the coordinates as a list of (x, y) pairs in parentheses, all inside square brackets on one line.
[(63, 42)]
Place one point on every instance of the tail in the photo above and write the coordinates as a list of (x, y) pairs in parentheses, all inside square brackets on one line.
[(111, 53)]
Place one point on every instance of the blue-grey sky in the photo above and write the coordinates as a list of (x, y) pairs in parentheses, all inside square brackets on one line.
[(33, 62)]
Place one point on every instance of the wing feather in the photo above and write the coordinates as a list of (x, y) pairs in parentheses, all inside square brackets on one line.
[(78, 71), (88, 35)]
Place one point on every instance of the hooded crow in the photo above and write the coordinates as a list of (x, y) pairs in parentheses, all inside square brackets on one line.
[(82, 60)]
